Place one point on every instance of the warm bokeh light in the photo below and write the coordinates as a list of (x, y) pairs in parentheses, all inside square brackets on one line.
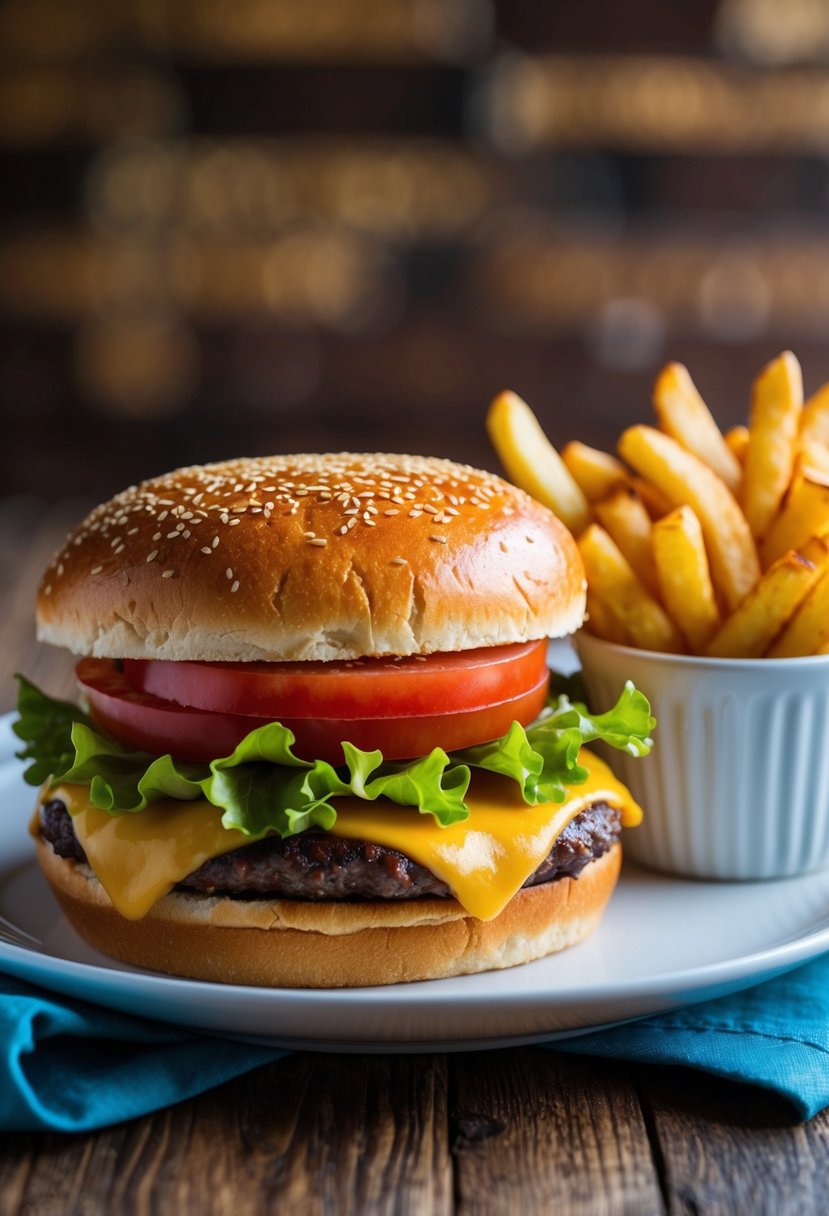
[(231, 225)]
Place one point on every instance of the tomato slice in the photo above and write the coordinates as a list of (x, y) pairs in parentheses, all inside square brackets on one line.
[(153, 724), (437, 683)]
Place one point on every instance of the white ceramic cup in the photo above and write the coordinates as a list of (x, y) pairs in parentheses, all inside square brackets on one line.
[(737, 785)]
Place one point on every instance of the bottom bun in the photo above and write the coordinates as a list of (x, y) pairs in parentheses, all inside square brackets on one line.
[(294, 944)]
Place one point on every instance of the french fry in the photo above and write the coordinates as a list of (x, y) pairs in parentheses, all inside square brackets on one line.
[(805, 513), (596, 472), (776, 408), (685, 583), (532, 462), (737, 440), (601, 622), (753, 626), (814, 430), (611, 578), (684, 416), (808, 630), (624, 517), (655, 501), (686, 481)]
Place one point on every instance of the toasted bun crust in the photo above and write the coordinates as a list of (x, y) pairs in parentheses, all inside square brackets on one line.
[(283, 943), (312, 557)]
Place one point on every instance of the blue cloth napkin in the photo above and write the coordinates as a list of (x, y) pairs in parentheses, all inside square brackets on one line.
[(69, 1066)]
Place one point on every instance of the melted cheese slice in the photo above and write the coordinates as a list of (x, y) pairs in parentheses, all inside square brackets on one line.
[(138, 858)]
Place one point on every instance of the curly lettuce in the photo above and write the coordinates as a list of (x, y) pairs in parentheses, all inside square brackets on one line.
[(262, 787)]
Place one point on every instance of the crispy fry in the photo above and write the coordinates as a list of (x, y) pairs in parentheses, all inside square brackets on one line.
[(808, 630), (805, 513), (532, 462), (684, 578), (596, 472), (655, 501), (776, 407), (612, 579), (685, 480), (751, 629), (814, 430), (601, 622), (684, 416), (737, 440), (624, 517)]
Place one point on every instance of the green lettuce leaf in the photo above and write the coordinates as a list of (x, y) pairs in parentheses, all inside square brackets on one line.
[(263, 787)]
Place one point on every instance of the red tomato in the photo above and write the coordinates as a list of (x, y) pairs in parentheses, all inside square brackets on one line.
[(437, 683), (153, 724)]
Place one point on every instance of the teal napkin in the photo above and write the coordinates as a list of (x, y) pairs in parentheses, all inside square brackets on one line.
[(69, 1066)]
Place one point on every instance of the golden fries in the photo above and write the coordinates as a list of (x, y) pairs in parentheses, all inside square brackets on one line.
[(532, 462), (684, 416), (601, 621), (686, 481), (655, 501), (808, 630), (737, 440), (624, 517), (695, 540), (684, 578), (805, 513), (814, 429), (776, 407), (596, 472), (751, 629), (610, 576)]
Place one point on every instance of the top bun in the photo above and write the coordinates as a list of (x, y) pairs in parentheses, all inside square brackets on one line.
[(312, 557)]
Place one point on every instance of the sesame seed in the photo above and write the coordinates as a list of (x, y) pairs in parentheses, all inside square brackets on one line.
[(392, 511), (96, 570), (235, 586), (234, 522), (168, 574), (152, 556), (440, 539), (47, 590), (428, 507), (206, 549), (308, 535), (228, 573), (398, 561), (156, 536), (214, 542), (318, 540)]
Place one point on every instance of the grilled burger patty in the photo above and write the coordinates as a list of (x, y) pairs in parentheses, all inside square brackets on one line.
[(318, 865)]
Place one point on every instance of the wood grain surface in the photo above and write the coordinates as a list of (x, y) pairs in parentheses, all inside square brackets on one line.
[(523, 1131)]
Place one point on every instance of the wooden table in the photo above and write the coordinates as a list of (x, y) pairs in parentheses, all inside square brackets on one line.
[(513, 1131)]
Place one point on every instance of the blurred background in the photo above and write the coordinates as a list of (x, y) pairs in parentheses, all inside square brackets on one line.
[(242, 226)]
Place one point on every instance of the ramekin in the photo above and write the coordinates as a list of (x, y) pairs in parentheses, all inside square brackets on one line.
[(737, 785)]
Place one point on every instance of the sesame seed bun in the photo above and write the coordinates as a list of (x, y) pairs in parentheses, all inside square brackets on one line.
[(278, 942), (312, 557)]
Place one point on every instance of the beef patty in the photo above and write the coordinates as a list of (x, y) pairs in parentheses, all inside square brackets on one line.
[(318, 865)]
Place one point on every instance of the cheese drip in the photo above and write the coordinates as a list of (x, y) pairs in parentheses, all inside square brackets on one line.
[(139, 858)]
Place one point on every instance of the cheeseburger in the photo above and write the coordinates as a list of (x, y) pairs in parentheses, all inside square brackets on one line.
[(316, 745)]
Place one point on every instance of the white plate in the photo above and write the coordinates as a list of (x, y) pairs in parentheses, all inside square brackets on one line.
[(663, 943)]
